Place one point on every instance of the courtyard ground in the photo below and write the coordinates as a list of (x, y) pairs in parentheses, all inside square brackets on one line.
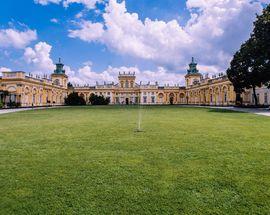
[(89, 160)]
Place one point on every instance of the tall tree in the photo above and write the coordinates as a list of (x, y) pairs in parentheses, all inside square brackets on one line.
[(261, 33), (250, 67)]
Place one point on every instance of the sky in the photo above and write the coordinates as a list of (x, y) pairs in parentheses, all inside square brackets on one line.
[(97, 39)]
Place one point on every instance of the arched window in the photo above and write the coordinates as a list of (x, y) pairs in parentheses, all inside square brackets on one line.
[(56, 82)]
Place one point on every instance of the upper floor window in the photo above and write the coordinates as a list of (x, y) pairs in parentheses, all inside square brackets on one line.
[(56, 82), (127, 84)]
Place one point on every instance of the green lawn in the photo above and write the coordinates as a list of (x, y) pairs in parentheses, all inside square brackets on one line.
[(89, 160)]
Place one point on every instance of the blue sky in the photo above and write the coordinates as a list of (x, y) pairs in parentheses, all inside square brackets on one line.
[(98, 38)]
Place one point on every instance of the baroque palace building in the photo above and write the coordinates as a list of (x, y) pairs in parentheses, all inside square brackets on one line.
[(28, 90)]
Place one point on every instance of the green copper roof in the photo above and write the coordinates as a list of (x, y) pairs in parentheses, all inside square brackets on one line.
[(59, 68), (193, 67)]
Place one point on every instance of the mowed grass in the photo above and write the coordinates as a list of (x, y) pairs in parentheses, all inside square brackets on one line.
[(89, 160)]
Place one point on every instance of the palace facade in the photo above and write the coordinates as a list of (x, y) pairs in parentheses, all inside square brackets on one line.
[(28, 90)]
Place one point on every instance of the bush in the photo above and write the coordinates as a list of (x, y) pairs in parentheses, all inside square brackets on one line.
[(74, 99), (14, 104), (98, 100)]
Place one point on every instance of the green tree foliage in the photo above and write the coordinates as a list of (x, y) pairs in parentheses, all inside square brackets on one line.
[(74, 99), (250, 67), (99, 100), (69, 85)]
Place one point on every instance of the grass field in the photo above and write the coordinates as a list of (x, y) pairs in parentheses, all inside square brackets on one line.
[(89, 160)]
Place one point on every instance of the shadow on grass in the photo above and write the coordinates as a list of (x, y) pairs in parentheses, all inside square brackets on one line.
[(216, 110)]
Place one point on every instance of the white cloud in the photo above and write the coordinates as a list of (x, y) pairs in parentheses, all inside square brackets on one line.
[(4, 69), (214, 32), (39, 57), (86, 75), (54, 20), (88, 31), (46, 2), (16, 39), (89, 4)]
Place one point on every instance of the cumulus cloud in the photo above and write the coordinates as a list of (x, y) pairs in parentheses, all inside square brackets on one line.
[(54, 20), (214, 32), (85, 75), (88, 31), (39, 57), (16, 39), (89, 4), (46, 2), (4, 69)]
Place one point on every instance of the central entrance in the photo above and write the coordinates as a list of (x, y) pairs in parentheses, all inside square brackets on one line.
[(127, 101)]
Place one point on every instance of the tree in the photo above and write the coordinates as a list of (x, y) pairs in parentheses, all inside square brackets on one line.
[(261, 33), (243, 71), (98, 100), (250, 65), (74, 99), (70, 85), (3, 96)]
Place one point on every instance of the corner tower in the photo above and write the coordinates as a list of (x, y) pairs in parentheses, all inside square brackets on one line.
[(59, 76), (193, 76)]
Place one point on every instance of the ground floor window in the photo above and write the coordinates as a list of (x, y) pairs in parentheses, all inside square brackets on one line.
[(144, 99), (12, 98), (265, 98), (153, 99), (225, 97)]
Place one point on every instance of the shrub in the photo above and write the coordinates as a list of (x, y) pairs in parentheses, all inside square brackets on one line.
[(98, 100), (74, 99)]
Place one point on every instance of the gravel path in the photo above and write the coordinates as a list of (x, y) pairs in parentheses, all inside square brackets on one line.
[(258, 111)]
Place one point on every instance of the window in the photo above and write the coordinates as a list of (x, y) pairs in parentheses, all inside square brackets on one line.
[(211, 98), (225, 97), (153, 99), (126, 84), (265, 98), (117, 100), (108, 93), (144, 99)]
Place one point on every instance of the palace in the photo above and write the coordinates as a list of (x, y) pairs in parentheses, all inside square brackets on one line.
[(28, 90)]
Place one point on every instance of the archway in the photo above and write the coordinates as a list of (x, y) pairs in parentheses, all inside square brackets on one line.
[(160, 98), (171, 97)]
